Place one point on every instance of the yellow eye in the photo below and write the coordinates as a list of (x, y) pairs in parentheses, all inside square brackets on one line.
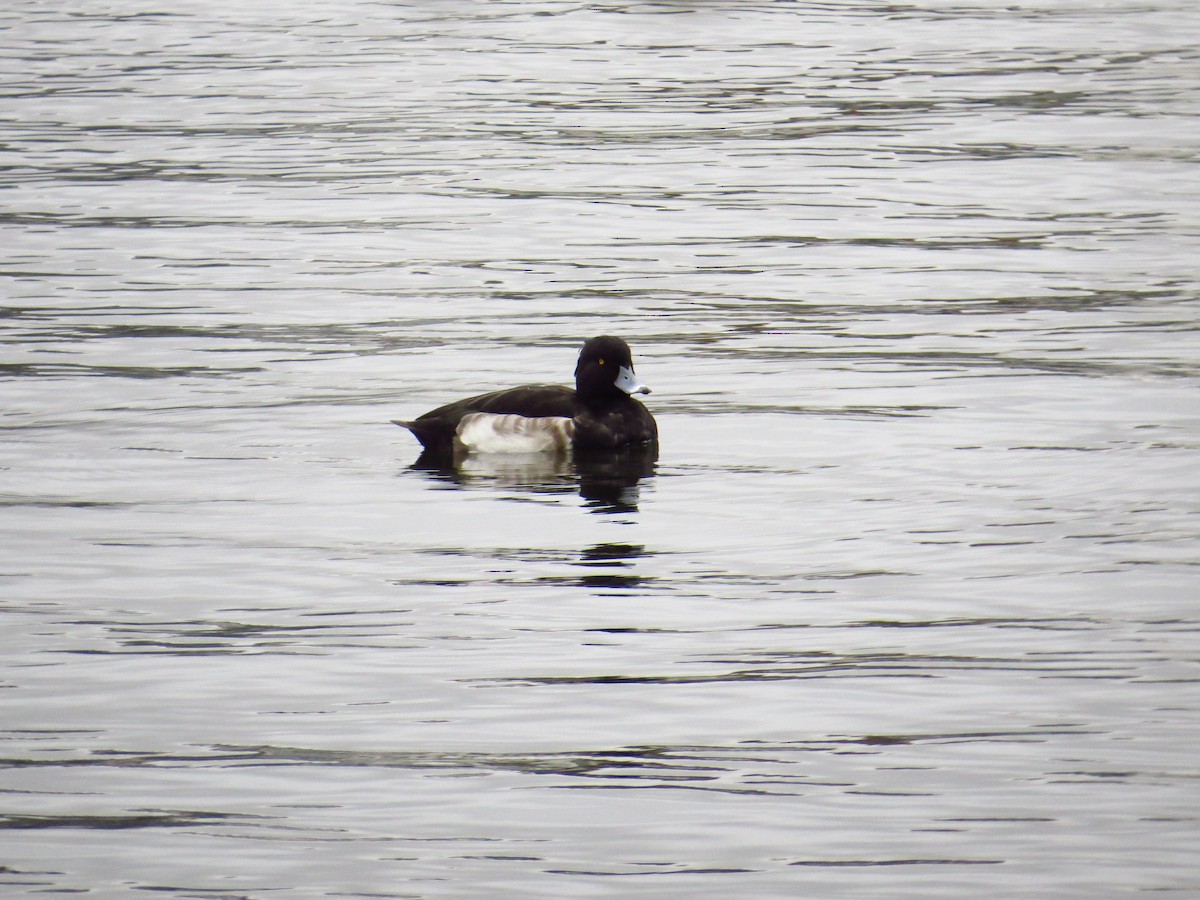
[(601, 362)]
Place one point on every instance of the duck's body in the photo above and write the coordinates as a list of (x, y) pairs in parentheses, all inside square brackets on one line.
[(598, 414)]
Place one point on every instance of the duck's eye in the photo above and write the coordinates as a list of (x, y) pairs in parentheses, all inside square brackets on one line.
[(601, 362)]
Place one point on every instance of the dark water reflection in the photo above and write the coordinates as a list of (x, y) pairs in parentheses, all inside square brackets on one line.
[(905, 605), (608, 482)]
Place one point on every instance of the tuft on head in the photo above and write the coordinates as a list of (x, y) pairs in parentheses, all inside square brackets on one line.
[(607, 349)]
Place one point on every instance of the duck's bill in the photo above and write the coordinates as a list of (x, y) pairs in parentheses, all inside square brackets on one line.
[(628, 382)]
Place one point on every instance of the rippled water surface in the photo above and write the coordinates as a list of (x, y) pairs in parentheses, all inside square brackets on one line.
[(908, 605)]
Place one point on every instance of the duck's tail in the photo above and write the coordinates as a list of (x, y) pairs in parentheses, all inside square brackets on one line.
[(429, 434)]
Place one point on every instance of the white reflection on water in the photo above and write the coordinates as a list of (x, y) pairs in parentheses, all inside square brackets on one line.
[(904, 608)]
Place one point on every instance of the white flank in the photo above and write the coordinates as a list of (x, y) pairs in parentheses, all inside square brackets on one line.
[(493, 433)]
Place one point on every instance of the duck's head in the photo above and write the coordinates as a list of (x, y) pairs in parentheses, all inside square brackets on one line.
[(605, 369)]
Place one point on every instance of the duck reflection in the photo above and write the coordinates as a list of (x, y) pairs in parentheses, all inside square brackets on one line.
[(609, 481), (609, 566)]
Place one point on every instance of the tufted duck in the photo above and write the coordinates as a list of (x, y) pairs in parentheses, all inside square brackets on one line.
[(599, 414)]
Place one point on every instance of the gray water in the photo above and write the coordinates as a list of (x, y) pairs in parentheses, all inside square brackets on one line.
[(907, 607)]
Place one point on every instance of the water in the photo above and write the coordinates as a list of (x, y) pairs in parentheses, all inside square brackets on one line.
[(906, 607)]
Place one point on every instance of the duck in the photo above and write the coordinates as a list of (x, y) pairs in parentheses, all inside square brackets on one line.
[(598, 414)]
